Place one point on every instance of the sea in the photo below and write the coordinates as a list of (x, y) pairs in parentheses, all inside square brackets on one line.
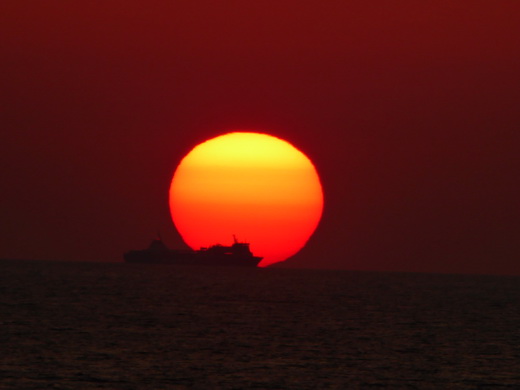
[(133, 326)]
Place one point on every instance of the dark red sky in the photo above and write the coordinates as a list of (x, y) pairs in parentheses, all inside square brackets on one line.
[(409, 109)]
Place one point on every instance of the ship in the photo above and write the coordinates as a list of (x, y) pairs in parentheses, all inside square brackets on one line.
[(238, 254)]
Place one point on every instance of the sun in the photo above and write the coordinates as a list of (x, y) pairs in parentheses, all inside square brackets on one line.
[(252, 185)]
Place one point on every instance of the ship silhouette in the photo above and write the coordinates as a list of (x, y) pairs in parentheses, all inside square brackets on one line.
[(238, 254)]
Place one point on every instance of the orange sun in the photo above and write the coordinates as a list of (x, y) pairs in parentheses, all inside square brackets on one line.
[(255, 186)]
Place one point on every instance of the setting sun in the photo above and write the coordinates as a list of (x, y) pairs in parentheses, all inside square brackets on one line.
[(255, 186)]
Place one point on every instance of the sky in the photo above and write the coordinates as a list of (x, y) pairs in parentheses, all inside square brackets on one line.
[(408, 109)]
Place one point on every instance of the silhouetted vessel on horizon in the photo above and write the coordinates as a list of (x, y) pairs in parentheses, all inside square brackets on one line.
[(237, 254)]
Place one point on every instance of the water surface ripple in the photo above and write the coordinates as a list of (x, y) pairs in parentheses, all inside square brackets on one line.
[(121, 326)]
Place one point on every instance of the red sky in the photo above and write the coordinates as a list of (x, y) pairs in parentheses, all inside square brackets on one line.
[(409, 109)]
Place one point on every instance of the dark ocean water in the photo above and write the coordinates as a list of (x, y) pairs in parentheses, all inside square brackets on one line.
[(120, 326)]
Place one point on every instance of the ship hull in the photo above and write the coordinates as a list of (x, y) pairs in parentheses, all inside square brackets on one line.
[(236, 255), (190, 258)]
